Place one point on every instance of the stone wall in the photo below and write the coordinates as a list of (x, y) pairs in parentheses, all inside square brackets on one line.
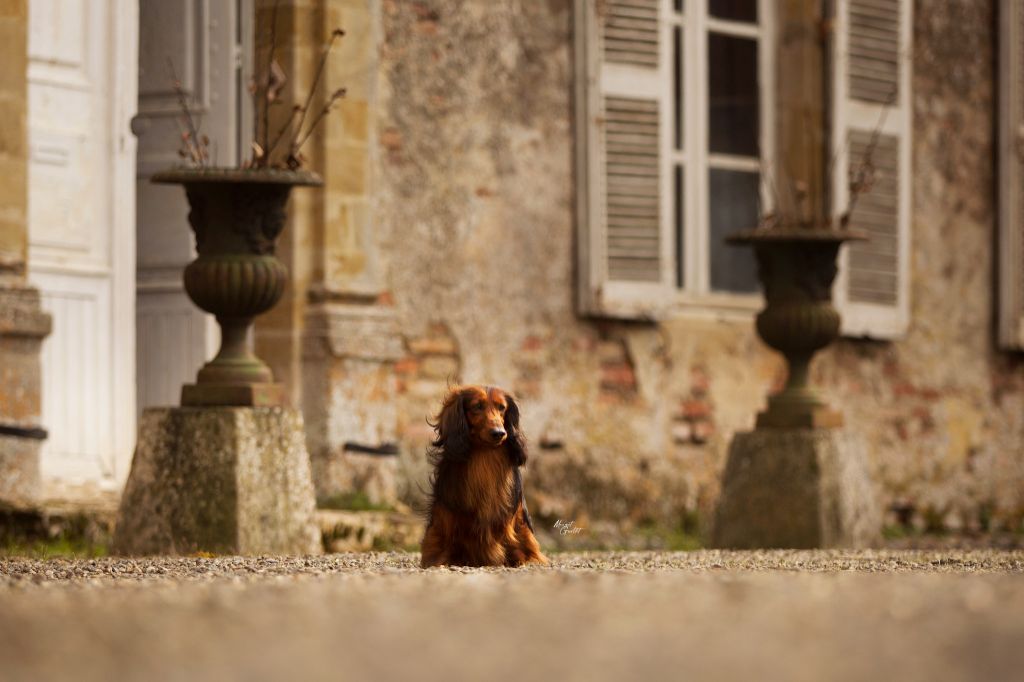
[(472, 187), (23, 325), (627, 422), (943, 407)]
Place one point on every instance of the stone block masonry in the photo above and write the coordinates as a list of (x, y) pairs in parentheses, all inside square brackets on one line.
[(220, 480), (23, 324)]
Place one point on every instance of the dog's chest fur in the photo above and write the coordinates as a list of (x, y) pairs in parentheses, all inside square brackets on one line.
[(485, 488)]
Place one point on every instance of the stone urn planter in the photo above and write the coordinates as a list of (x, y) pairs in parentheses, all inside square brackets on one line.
[(796, 267), (237, 216)]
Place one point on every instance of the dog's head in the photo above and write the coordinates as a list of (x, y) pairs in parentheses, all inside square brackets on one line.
[(478, 417)]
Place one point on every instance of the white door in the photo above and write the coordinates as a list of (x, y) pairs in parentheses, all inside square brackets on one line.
[(202, 43), (81, 96)]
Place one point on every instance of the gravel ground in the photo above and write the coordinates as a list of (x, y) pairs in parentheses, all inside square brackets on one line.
[(53, 572), (936, 615)]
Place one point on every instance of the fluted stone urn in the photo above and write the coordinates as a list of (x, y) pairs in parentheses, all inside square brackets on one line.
[(237, 215), (796, 267), (794, 481)]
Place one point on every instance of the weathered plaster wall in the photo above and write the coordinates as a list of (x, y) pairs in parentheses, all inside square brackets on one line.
[(943, 407), (629, 422)]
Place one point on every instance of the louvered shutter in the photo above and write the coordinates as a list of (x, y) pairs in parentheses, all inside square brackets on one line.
[(1011, 175), (624, 201), (871, 128)]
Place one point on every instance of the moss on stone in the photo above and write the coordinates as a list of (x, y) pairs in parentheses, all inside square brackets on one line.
[(356, 500)]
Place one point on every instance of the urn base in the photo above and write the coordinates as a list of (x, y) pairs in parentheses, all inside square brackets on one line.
[(787, 411), (233, 395)]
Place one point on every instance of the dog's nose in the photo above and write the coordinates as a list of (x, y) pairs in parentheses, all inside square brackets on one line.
[(497, 434)]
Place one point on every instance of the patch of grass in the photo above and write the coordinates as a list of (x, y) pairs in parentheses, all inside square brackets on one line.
[(934, 523), (383, 544), (57, 548), (897, 532), (679, 539), (352, 501)]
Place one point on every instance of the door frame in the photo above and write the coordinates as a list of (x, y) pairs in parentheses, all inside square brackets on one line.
[(125, 96), (117, 60)]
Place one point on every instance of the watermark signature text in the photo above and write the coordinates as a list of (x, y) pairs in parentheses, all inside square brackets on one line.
[(567, 527)]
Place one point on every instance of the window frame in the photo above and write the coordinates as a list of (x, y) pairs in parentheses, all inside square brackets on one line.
[(597, 78), (695, 23)]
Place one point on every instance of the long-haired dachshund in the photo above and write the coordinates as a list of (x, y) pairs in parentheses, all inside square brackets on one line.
[(478, 513)]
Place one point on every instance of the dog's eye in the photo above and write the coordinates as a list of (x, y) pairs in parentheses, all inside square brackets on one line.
[(501, 408), (476, 407)]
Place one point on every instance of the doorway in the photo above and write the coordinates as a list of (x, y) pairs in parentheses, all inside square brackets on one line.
[(106, 247)]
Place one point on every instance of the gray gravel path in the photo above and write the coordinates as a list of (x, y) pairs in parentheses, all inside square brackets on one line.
[(701, 615), (22, 572)]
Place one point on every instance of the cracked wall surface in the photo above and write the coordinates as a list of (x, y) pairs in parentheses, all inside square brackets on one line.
[(628, 422)]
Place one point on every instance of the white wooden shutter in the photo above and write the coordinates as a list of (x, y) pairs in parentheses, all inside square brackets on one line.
[(624, 200), (871, 112), (1011, 175)]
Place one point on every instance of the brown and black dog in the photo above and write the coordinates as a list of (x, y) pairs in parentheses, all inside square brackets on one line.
[(478, 513)]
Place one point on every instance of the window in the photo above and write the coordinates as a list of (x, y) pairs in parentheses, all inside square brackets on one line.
[(674, 110), (721, 54), (675, 102)]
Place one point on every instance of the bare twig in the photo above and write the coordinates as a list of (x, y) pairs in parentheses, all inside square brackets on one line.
[(335, 96), (284, 129), (295, 144), (864, 174), (267, 92), (265, 87), (194, 144)]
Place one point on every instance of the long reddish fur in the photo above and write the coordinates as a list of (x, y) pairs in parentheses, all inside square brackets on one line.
[(478, 514)]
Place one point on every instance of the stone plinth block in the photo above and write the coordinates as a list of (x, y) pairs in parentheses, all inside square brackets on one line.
[(20, 484), (225, 480), (796, 488)]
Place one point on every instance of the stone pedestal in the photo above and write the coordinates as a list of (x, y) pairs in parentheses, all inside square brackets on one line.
[(225, 480), (796, 488), (23, 326)]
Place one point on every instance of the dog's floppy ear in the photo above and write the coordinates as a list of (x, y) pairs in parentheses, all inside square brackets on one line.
[(452, 428), (515, 445)]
